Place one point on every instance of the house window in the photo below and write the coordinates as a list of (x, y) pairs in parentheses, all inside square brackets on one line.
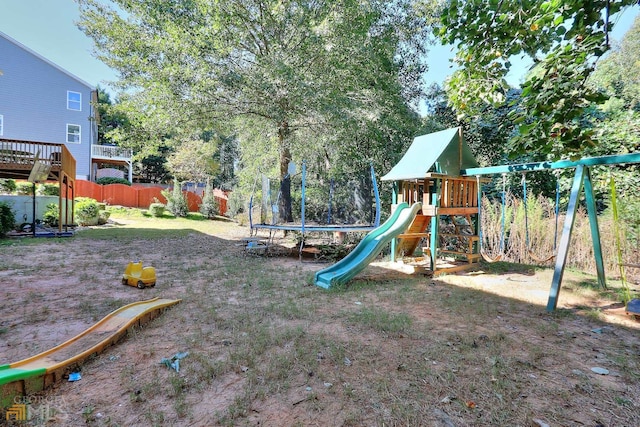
[(74, 101), (73, 134), (1, 124)]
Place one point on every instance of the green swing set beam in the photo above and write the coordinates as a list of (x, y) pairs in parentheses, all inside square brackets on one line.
[(560, 164), (581, 180)]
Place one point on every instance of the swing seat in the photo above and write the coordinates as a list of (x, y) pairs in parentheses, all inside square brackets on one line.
[(490, 260), (541, 260), (633, 307)]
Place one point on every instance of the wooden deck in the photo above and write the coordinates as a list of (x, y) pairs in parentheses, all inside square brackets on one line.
[(18, 158)]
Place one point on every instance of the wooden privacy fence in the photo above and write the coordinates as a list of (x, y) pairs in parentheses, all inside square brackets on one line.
[(139, 196)]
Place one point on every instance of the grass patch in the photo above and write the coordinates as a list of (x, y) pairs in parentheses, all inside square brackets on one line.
[(123, 212), (381, 321)]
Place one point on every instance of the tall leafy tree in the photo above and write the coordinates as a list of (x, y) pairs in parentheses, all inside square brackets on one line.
[(564, 38), (193, 160), (617, 74), (226, 157), (618, 121), (147, 127), (110, 117), (152, 168), (487, 134), (288, 65)]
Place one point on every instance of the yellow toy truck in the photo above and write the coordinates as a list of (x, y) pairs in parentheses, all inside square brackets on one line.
[(138, 276)]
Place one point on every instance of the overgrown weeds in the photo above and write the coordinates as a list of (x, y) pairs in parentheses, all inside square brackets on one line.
[(534, 238)]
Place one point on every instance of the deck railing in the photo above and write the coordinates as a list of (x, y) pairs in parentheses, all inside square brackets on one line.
[(111, 152), (21, 155)]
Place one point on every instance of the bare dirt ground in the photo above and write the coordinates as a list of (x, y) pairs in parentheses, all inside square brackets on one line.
[(266, 347)]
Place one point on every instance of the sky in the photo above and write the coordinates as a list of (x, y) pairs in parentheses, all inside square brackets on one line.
[(48, 27)]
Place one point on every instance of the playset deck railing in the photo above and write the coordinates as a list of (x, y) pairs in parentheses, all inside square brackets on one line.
[(457, 195)]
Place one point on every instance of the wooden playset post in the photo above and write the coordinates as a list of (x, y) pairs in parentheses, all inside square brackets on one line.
[(435, 223)]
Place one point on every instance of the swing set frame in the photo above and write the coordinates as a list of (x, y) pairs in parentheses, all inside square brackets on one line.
[(581, 180)]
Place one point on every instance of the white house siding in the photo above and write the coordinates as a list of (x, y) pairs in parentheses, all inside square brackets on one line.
[(33, 102)]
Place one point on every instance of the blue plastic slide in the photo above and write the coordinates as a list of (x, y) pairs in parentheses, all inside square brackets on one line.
[(367, 250)]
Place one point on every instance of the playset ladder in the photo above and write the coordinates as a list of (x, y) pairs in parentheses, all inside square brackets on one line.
[(409, 240)]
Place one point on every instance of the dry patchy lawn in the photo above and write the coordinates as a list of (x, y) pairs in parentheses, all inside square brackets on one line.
[(268, 348)]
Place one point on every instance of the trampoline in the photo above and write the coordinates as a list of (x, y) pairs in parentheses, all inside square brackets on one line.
[(305, 224)]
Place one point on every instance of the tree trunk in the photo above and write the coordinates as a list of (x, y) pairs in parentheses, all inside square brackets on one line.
[(284, 205)]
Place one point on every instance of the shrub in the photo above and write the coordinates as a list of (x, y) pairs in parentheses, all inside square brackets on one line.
[(235, 205), (210, 206), (176, 200), (7, 218), (7, 186), (103, 217), (111, 180), (51, 215), (156, 209), (48, 190), (24, 188), (87, 211)]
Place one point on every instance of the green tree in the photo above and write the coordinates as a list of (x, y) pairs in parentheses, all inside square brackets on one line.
[(210, 207), (147, 127), (287, 65), (619, 132), (617, 74), (7, 218), (152, 167), (126, 122), (226, 157), (176, 200), (486, 133), (618, 121), (564, 38), (193, 161), (111, 118)]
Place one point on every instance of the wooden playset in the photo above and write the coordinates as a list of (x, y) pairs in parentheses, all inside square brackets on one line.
[(445, 231)]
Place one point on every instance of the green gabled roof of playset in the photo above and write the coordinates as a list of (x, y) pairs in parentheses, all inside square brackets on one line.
[(443, 152)]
